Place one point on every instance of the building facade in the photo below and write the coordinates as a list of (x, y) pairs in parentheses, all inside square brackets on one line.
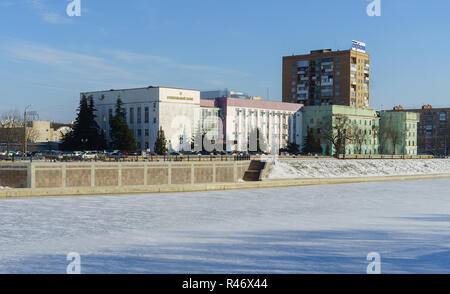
[(241, 117), (342, 129), (147, 109), (398, 133), (433, 134), (228, 122), (326, 77)]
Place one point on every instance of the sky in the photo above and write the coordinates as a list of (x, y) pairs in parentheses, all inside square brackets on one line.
[(47, 57)]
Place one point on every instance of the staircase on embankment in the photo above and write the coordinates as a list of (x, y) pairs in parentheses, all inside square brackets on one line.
[(256, 171)]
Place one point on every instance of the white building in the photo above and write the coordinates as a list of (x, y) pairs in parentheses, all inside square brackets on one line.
[(147, 109), (241, 117), (181, 113)]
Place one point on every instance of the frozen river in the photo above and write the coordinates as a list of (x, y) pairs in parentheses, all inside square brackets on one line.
[(316, 229)]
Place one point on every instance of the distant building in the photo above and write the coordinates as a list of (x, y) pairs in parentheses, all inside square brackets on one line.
[(398, 133), (326, 77), (351, 129), (241, 117), (433, 134), (226, 93)]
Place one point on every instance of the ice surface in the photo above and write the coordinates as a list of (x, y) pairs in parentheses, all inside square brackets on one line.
[(315, 229), (325, 168)]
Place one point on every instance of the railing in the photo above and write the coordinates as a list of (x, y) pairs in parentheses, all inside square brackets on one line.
[(157, 158)]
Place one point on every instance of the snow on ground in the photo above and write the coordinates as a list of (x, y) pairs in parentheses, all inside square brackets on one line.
[(3, 188), (325, 168), (315, 229)]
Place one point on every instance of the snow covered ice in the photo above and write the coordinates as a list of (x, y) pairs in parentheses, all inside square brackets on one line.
[(314, 229), (329, 168)]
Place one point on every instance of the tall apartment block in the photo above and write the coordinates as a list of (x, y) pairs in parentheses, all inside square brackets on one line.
[(326, 77)]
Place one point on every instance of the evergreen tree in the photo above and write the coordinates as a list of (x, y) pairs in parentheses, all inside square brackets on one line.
[(316, 147), (86, 134), (292, 147), (161, 143), (121, 136), (308, 145)]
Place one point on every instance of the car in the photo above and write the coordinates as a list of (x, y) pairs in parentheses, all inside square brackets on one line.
[(89, 155)]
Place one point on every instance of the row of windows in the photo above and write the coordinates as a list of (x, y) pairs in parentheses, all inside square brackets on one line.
[(139, 115)]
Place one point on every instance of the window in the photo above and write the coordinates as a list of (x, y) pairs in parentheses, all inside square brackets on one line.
[(443, 116), (147, 133), (139, 132), (154, 120), (131, 115), (139, 118), (338, 73), (146, 115)]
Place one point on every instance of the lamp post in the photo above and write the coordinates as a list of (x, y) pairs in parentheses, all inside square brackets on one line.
[(25, 139)]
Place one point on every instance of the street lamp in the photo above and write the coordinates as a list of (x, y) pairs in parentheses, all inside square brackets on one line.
[(25, 139)]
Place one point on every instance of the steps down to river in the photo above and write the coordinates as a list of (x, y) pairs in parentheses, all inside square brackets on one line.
[(256, 171)]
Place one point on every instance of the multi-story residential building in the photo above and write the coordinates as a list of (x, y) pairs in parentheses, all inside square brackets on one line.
[(241, 117), (147, 109), (398, 133), (342, 129), (326, 77), (433, 134)]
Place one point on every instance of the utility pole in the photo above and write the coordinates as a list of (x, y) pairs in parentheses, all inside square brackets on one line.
[(25, 139)]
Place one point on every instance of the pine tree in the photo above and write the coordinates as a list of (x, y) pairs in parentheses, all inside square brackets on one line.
[(86, 134), (292, 147), (308, 145), (316, 147), (121, 136), (161, 143)]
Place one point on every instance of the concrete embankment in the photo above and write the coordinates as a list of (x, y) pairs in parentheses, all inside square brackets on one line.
[(89, 191)]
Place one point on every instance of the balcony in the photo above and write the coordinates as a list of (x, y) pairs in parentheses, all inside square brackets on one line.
[(327, 82)]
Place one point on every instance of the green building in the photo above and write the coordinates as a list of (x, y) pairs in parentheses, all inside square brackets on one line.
[(340, 129), (398, 132)]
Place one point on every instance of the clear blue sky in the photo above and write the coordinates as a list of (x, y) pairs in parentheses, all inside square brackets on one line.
[(47, 58)]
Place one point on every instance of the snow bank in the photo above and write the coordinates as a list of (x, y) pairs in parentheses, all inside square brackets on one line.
[(4, 188), (329, 168)]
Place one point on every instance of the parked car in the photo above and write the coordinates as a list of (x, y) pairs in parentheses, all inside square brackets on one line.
[(89, 155)]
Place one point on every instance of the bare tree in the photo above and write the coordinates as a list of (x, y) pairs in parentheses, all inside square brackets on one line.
[(10, 122), (391, 134), (12, 129), (337, 133)]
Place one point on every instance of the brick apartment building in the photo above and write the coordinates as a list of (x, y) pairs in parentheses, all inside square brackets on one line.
[(433, 134), (326, 77)]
